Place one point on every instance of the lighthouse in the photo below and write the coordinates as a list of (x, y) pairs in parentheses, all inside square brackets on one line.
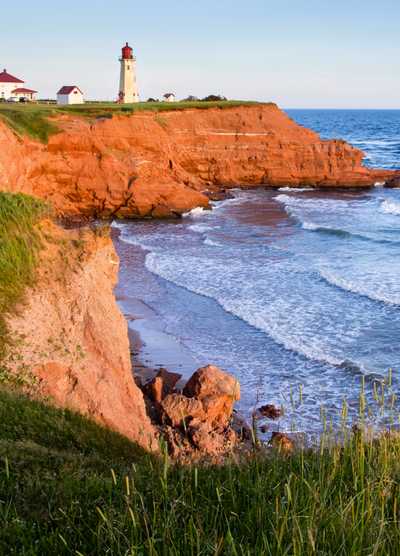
[(128, 90)]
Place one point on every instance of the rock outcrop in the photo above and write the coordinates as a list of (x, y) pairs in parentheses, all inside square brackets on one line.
[(161, 385), (393, 182), (216, 390), (161, 164), (70, 338), (197, 421)]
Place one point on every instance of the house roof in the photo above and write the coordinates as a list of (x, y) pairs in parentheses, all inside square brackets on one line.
[(67, 89), (23, 90), (7, 78), (169, 95)]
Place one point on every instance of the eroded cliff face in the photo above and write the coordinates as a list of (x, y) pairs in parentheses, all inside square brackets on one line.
[(70, 338), (160, 164)]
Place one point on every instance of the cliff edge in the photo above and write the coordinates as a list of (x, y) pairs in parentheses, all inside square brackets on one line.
[(69, 339), (163, 164)]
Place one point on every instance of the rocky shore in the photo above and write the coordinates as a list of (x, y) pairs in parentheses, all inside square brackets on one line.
[(71, 347), (70, 336)]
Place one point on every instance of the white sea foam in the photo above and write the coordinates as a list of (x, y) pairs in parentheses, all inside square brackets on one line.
[(212, 243), (239, 197), (194, 213), (390, 207), (246, 309), (268, 324), (369, 289), (200, 228), (310, 226), (133, 240), (118, 224), (315, 204), (295, 189), (376, 142)]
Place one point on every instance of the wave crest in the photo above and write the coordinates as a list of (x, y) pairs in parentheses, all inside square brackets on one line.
[(390, 207), (359, 289), (194, 213), (295, 189)]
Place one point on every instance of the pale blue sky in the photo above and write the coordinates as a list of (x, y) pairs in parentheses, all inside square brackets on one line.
[(298, 53)]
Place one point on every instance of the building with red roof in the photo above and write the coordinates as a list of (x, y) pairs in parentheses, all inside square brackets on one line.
[(70, 94), (10, 86)]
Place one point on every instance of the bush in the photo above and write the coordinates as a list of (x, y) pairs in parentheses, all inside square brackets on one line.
[(214, 98)]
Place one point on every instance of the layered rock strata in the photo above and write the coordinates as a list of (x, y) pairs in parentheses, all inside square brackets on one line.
[(162, 164)]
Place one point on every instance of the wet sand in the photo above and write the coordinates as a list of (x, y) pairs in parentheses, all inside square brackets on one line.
[(151, 346)]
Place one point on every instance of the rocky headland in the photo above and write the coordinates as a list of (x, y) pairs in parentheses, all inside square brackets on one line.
[(163, 164), (69, 338)]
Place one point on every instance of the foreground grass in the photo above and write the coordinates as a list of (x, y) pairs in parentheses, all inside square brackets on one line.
[(68, 486), (19, 246), (35, 119)]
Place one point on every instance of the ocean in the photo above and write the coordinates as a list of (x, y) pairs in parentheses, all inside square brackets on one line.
[(296, 292)]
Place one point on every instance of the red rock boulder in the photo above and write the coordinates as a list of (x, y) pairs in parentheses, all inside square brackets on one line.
[(178, 410), (217, 391)]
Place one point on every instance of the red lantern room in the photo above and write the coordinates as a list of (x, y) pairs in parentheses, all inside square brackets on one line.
[(127, 52)]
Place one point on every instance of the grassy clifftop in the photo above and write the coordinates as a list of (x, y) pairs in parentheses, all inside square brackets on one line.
[(68, 486), (37, 120)]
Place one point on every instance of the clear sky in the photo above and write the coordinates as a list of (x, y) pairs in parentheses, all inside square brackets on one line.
[(298, 53)]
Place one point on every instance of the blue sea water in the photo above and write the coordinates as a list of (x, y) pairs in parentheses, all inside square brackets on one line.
[(296, 292)]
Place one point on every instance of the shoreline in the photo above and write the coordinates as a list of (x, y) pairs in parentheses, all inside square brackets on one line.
[(151, 346), (158, 312)]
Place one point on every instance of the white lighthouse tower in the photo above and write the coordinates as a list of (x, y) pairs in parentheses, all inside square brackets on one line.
[(128, 90)]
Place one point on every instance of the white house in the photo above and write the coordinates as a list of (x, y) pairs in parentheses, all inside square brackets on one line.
[(23, 92), (70, 94), (10, 86), (169, 97)]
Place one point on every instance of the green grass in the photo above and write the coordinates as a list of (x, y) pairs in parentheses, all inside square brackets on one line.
[(31, 120), (19, 246), (69, 487), (35, 120)]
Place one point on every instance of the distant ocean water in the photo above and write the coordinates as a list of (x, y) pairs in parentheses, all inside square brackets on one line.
[(376, 132), (290, 290)]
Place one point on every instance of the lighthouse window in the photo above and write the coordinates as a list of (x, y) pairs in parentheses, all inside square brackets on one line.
[(129, 67)]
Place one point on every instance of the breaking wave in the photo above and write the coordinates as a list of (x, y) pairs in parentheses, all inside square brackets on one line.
[(390, 207), (247, 310), (200, 228), (197, 212), (374, 293), (328, 205), (295, 189), (212, 243), (330, 231)]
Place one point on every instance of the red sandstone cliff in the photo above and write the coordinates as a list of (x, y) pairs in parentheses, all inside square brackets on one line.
[(70, 338), (158, 164)]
